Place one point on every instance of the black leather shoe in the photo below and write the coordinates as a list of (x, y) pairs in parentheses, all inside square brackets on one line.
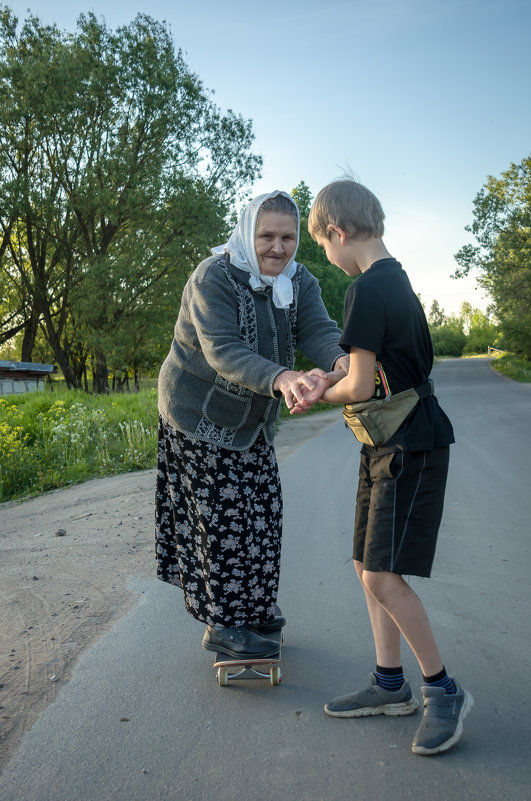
[(239, 641), (274, 624)]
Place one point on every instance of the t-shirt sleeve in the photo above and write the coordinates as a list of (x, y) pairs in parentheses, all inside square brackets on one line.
[(364, 323)]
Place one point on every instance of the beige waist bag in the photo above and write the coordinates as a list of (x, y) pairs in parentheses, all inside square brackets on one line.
[(374, 422)]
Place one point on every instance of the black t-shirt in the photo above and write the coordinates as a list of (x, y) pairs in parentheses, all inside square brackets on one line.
[(383, 315)]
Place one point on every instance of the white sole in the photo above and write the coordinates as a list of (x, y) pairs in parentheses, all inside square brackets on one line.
[(392, 710)]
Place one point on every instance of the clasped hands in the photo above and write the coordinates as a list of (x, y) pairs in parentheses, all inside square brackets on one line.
[(301, 390)]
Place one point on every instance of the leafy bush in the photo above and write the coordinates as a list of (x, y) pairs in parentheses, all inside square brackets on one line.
[(482, 333), (448, 340)]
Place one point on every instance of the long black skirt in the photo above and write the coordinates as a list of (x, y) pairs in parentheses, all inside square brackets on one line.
[(219, 527)]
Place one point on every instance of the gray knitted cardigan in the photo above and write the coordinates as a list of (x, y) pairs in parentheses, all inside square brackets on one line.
[(230, 343)]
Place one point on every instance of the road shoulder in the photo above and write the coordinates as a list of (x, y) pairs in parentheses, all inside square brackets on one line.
[(65, 560)]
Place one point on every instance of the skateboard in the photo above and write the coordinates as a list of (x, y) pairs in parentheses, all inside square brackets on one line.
[(230, 668)]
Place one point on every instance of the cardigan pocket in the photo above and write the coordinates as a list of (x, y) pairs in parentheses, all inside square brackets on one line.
[(226, 409)]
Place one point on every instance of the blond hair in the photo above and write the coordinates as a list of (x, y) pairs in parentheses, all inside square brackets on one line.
[(349, 205)]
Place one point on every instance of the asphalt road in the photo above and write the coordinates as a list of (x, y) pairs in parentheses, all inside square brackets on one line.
[(142, 717)]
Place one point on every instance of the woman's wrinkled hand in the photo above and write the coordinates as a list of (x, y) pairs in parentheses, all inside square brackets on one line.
[(321, 383), (294, 386)]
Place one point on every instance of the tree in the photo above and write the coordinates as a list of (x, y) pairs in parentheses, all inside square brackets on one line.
[(332, 281), (502, 229), (482, 332), (448, 339), (436, 315), (30, 202), (466, 313), (303, 198), (116, 173)]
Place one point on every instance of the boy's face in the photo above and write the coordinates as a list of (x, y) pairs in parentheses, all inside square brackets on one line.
[(339, 251)]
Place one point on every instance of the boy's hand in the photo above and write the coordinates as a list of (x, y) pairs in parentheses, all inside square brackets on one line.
[(343, 363)]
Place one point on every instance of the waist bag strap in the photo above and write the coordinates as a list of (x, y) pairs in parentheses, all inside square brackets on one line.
[(425, 389)]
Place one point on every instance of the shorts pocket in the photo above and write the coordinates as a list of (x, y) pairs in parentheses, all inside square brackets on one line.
[(388, 466)]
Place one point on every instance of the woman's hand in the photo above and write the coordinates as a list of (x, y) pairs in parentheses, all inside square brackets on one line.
[(321, 381), (294, 386)]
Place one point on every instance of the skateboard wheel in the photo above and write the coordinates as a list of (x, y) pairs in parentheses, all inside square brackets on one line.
[(223, 677), (275, 675)]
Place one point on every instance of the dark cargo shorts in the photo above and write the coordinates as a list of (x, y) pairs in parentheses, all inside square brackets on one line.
[(398, 510)]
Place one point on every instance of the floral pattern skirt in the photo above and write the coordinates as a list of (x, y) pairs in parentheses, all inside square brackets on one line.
[(219, 527)]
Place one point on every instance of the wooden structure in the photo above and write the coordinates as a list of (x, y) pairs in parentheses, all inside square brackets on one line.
[(17, 377)]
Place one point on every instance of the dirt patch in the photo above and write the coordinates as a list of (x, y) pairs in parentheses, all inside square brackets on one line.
[(65, 558)]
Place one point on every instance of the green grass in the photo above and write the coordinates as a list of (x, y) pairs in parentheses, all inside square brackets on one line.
[(54, 439), (516, 367)]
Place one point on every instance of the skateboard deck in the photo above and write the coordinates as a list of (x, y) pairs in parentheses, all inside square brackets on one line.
[(230, 668)]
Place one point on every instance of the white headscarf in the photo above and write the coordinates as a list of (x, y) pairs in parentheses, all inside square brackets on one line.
[(242, 252)]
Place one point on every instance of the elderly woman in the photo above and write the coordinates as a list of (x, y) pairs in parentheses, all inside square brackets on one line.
[(244, 311)]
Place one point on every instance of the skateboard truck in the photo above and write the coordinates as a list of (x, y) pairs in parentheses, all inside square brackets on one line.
[(236, 671)]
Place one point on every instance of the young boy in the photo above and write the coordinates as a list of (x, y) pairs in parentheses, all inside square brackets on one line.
[(402, 482)]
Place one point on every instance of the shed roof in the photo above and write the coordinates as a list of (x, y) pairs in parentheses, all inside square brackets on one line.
[(31, 368)]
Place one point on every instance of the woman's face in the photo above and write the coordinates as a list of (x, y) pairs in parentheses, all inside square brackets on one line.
[(275, 241)]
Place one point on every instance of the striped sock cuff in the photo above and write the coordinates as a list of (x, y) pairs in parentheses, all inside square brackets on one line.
[(441, 679), (390, 679)]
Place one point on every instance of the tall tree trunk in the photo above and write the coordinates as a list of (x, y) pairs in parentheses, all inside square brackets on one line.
[(60, 356), (78, 361), (30, 333), (59, 353), (100, 374)]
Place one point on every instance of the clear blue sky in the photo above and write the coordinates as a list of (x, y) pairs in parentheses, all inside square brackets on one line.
[(422, 99)]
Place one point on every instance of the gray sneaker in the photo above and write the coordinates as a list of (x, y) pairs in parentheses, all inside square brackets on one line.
[(373, 700), (442, 722)]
